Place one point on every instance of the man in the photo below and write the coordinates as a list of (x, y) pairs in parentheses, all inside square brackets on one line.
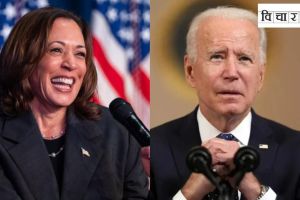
[(225, 63)]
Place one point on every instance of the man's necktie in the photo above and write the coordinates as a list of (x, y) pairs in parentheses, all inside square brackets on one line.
[(215, 194), (227, 136)]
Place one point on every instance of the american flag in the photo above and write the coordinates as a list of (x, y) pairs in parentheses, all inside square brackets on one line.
[(11, 11), (121, 40)]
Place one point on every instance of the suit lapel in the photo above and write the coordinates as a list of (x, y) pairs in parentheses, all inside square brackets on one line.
[(262, 136), (83, 144), (24, 144), (182, 141)]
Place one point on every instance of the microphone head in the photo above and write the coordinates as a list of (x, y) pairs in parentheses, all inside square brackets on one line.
[(120, 109), (246, 158), (198, 159), (124, 113)]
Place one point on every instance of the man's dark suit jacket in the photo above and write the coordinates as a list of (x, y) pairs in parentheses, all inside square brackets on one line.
[(101, 161), (279, 166)]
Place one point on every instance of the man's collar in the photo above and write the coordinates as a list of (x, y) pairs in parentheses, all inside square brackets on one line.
[(208, 131)]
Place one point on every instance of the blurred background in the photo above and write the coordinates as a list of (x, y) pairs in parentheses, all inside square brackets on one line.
[(171, 97)]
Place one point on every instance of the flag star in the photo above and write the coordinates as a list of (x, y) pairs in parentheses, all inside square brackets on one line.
[(129, 53), (124, 16), (146, 16), (145, 35), (112, 14), (5, 31), (42, 3), (10, 11), (122, 34), (126, 34)]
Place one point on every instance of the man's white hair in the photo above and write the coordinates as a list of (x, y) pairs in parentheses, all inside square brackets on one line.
[(225, 12)]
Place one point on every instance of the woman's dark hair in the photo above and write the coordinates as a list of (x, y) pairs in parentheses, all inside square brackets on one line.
[(24, 48)]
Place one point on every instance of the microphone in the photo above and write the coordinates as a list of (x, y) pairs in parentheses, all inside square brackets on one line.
[(124, 113), (199, 160), (246, 159)]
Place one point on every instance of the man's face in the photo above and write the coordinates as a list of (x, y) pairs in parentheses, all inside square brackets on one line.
[(228, 72)]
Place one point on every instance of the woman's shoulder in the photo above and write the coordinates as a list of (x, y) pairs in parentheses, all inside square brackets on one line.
[(105, 122), (105, 114)]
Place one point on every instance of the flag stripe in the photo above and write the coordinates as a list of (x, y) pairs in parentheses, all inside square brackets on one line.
[(114, 78), (113, 51), (105, 90), (142, 82)]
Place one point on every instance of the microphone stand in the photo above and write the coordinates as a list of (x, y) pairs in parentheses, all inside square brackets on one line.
[(246, 160), (225, 190), (199, 161)]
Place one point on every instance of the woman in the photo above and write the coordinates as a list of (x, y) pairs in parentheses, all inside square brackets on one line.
[(54, 143)]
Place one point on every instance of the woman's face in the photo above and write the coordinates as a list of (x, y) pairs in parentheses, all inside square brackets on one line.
[(58, 77)]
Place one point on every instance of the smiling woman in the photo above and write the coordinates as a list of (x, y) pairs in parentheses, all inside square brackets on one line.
[(52, 138), (59, 74), (37, 36)]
